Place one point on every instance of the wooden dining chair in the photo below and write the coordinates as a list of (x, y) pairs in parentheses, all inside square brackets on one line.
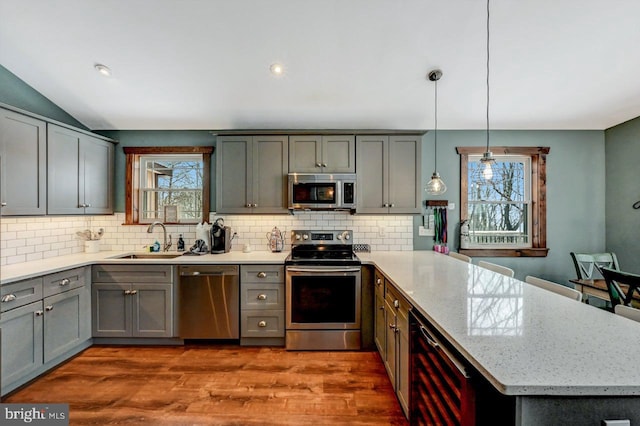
[(459, 256), (555, 287), (588, 263), (497, 268), (621, 286), (628, 312)]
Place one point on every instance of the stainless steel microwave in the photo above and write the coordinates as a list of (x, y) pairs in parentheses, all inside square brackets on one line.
[(322, 191)]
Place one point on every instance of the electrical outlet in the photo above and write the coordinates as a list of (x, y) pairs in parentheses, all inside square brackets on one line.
[(425, 232), (452, 206), (382, 231)]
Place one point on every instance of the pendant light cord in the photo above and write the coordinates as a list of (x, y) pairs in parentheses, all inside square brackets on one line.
[(487, 75), (435, 132)]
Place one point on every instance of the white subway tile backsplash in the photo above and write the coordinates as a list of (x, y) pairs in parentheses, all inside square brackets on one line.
[(28, 239)]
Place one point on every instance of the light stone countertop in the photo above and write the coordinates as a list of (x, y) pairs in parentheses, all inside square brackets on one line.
[(20, 271), (524, 340)]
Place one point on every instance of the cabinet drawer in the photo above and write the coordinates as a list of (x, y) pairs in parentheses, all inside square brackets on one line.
[(378, 281), (393, 295), (132, 273), (265, 323), (262, 274), (20, 293), (262, 296), (63, 281)]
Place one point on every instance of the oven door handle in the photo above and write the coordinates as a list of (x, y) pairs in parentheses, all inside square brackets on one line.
[(322, 271)]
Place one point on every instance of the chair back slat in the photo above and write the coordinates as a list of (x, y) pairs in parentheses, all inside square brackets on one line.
[(587, 263), (615, 279)]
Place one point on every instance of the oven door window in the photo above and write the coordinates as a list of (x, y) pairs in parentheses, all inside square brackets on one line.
[(322, 193), (323, 299)]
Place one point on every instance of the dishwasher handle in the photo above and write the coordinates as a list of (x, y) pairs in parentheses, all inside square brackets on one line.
[(208, 271)]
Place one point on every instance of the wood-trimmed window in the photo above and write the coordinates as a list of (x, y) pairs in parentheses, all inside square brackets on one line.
[(533, 204), (144, 188)]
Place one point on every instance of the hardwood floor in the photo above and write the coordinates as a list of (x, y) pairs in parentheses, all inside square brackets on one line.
[(219, 385)]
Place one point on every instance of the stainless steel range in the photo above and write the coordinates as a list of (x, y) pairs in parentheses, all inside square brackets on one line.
[(323, 288)]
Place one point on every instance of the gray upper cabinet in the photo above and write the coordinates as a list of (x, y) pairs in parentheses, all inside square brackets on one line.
[(322, 154), (23, 166), (389, 174), (80, 173), (252, 174)]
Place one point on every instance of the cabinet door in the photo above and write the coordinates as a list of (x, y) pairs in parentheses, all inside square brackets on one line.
[(233, 174), (305, 154), (111, 310), (389, 358), (270, 166), (63, 185), (380, 328), (21, 342), (96, 172), (152, 310), (405, 174), (338, 154), (23, 164), (402, 368), (373, 169), (66, 321)]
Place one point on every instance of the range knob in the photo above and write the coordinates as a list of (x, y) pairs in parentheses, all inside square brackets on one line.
[(305, 237), (297, 237)]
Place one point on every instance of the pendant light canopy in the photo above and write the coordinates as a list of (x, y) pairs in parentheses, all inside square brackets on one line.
[(487, 158), (435, 186)]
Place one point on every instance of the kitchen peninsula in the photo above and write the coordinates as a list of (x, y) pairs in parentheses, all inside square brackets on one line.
[(550, 355)]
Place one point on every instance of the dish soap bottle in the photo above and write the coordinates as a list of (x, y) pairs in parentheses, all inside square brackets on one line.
[(180, 243), (156, 247)]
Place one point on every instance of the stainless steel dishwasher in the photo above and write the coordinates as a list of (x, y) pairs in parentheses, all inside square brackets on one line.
[(209, 302)]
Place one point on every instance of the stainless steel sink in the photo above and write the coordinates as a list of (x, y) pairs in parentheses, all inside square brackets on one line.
[(148, 256)]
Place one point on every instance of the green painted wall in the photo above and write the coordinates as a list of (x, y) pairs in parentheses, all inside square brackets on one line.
[(623, 190), (155, 138), (17, 93), (575, 193)]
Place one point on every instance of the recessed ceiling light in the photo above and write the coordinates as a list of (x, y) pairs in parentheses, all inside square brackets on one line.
[(103, 69), (276, 69)]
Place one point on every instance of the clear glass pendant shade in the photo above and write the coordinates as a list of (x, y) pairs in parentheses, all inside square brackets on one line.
[(436, 186)]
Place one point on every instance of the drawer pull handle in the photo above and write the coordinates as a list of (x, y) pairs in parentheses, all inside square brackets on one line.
[(3, 204), (39, 313), (127, 292), (262, 324), (48, 308), (8, 298), (262, 297), (262, 275), (378, 281), (396, 303), (65, 281), (134, 292), (392, 327)]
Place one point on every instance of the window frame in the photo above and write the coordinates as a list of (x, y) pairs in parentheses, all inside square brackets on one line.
[(132, 178), (538, 232)]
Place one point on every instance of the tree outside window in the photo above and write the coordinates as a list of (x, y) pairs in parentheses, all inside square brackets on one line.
[(506, 215), (169, 184)]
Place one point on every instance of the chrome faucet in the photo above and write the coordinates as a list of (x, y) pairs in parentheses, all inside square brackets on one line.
[(165, 246)]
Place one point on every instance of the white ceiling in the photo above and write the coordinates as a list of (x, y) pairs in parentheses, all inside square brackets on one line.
[(204, 64)]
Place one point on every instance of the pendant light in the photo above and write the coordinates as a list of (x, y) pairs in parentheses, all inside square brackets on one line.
[(435, 186), (487, 158)]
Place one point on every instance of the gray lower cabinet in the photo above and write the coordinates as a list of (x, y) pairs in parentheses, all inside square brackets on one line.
[(389, 174), (23, 167), (79, 173), (262, 305), (132, 301), (37, 335), (394, 345), (252, 174), (322, 154)]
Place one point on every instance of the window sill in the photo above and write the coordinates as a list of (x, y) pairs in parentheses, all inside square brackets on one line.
[(523, 252)]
